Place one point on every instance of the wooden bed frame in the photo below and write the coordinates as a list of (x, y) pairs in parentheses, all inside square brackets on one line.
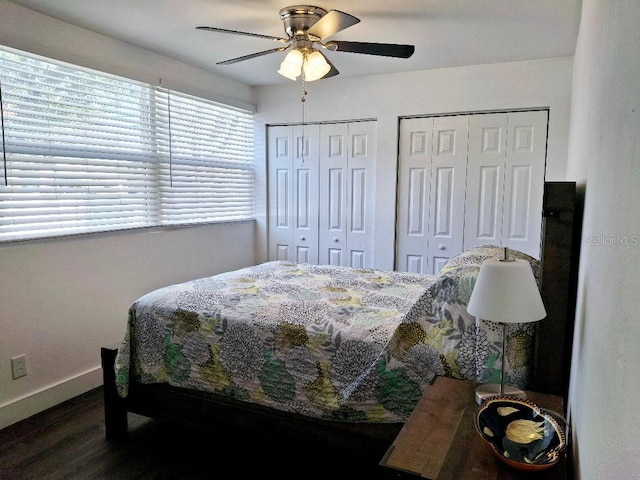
[(559, 256)]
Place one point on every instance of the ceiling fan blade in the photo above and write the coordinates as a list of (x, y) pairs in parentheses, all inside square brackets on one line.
[(248, 34), (382, 49), (253, 55), (331, 23), (333, 72)]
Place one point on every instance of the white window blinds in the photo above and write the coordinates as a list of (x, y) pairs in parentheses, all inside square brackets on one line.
[(85, 151), (205, 174)]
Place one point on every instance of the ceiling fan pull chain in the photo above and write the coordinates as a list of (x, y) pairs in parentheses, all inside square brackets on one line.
[(303, 99)]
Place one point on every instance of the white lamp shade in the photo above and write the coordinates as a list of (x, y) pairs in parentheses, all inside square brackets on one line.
[(291, 66), (315, 66), (506, 292)]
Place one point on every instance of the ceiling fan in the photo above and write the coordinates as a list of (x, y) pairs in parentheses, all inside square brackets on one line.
[(307, 27)]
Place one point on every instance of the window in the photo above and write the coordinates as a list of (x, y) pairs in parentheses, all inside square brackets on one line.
[(84, 151)]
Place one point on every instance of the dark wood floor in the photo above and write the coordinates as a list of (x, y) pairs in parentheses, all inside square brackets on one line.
[(68, 442)]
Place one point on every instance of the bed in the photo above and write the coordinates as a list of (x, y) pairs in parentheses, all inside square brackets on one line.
[(336, 344), (329, 351)]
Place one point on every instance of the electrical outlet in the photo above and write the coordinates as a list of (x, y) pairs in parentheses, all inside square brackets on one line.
[(19, 366)]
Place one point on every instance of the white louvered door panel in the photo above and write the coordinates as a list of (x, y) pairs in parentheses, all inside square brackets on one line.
[(414, 182), (524, 181), (485, 179), (447, 191)]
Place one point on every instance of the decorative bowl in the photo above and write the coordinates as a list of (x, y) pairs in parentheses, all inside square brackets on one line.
[(520, 433)]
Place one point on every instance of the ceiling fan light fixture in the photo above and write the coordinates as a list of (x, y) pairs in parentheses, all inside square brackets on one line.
[(291, 66), (315, 66), (306, 25)]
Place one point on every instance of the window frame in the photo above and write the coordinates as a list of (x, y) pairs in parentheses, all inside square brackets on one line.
[(169, 174)]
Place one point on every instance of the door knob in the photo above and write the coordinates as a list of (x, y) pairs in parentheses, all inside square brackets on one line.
[(442, 247)]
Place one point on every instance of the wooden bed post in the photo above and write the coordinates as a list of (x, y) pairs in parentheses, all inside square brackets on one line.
[(115, 410), (561, 231)]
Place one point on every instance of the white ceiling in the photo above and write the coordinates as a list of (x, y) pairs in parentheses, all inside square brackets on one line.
[(446, 33)]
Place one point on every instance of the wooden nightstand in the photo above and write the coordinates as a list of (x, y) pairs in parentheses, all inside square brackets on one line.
[(439, 440)]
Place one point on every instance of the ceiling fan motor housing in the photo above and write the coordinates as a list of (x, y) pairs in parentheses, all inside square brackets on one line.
[(299, 18)]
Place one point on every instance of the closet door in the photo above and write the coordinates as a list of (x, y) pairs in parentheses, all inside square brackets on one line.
[(414, 183), (524, 181), (467, 180), (431, 192), (448, 178), (505, 181), (293, 193), (280, 192), (333, 197), (347, 179), (485, 179)]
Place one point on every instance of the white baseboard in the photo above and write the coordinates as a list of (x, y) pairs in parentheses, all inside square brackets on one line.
[(24, 407)]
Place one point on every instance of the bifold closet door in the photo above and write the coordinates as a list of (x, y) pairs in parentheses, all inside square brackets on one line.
[(485, 183), (293, 193), (431, 192), (505, 180), (467, 180), (347, 180)]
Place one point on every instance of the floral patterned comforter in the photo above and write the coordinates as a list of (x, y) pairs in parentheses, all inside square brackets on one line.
[(355, 345)]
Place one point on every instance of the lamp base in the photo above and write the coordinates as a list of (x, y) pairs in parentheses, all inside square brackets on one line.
[(487, 390)]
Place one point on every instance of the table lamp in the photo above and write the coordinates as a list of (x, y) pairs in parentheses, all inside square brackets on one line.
[(505, 292)]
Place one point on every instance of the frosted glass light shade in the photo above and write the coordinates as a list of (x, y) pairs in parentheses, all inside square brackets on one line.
[(506, 292), (315, 66), (291, 66)]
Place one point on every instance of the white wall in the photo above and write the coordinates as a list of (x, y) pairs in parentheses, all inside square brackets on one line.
[(604, 156), (62, 299), (518, 85)]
